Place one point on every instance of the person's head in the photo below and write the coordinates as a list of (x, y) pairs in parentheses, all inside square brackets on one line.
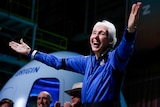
[(103, 36), (75, 93), (6, 103), (44, 99)]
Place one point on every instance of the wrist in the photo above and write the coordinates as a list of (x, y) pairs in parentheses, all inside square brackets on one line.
[(33, 54), (29, 51), (131, 30)]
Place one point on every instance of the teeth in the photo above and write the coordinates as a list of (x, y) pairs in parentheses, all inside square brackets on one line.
[(95, 43)]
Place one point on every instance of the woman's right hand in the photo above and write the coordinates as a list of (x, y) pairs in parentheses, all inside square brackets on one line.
[(21, 47)]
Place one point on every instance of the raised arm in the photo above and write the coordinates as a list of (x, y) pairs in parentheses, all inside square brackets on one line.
[(21, 47), (134, 17)]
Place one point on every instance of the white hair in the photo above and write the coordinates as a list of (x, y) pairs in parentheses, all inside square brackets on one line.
[(111, 30)]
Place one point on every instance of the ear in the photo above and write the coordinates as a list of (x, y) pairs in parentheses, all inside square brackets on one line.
[(110, 41), (50, 101)]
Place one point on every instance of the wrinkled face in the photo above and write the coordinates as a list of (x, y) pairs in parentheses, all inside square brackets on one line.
[(99, 39), (43, 100), (5, 105)]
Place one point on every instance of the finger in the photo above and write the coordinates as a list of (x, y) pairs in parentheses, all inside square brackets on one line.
[(137, 7), (12, 43), (133, 9), (21, 41), (139, 3), (14, 47)]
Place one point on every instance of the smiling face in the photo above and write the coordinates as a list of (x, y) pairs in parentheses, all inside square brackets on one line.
[(43, 100), (99, 40)]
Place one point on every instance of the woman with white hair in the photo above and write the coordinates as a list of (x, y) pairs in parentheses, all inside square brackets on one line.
[(104, 69)]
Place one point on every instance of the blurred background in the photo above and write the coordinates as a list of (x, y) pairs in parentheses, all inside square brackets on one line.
[(56, 25)]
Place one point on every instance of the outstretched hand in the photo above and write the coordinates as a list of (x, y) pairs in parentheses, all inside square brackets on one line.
[(134, 17), (21, 47)]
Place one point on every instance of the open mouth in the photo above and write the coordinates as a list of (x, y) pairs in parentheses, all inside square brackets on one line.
[(95, 43)]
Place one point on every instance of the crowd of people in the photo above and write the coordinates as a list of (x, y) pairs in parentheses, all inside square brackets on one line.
[(103, 69), (44, 98)]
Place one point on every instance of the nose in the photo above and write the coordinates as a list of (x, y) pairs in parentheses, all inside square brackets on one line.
[(96, 35)]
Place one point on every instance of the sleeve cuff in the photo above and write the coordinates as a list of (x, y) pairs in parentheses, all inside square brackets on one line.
[(130, 36), (33, 54)]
